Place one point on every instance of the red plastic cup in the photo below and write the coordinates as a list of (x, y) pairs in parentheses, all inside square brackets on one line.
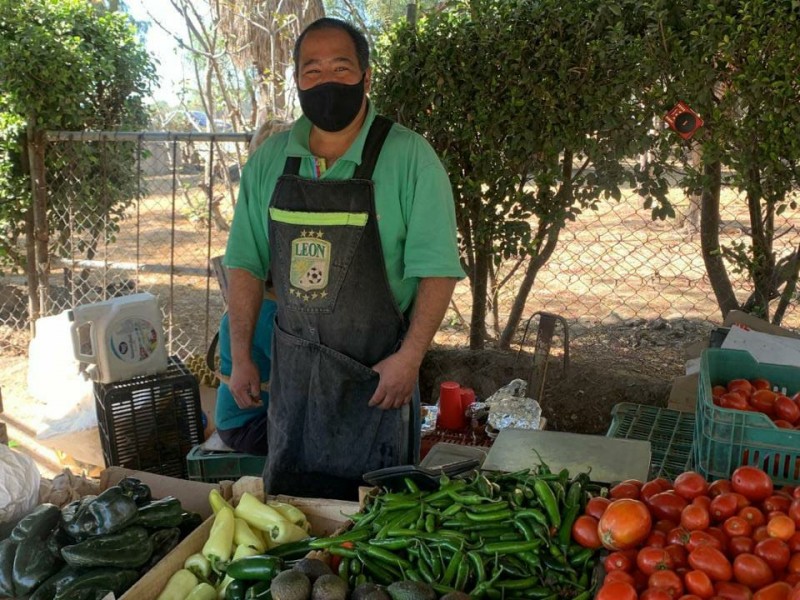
[(467, 398), (450, 414)]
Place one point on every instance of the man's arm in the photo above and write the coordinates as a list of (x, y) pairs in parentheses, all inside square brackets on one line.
[(399, 371), (245, 293)]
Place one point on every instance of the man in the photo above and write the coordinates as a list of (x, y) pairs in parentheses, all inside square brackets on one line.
[(354, 217)]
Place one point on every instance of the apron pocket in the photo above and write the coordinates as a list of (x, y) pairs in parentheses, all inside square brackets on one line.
[(322, 397)]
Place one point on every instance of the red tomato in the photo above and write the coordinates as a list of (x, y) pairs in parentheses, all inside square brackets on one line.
[(667, 505), (761, 384), (734, 402), (617, 591), (775, 591), (740, 385), (679, 555), (777, 502), (690, 485), (720, 486), (781, 527), (702, 538), (666, 580), (704, 501), (752, 483), (678, 536), (584, 532), (741, 501), (718, 390), (794, 563), (732, 591), (720, 535), (624, 490), (764, 402), (712, 562), (655, 486), (723, 507), (740, 545), (794, 511), (786, 409), (596, 506), (794, 542), (618, 561), (775, 553), (690, 597), (699, 583), (781, 424), (752, 571), (625, 524), (737, 526), (753, 516), (620, 576), (656, 538), (760, 533), (695, 517), (665, 525), (651, 559)]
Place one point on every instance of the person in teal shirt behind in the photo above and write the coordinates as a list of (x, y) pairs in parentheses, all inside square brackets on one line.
[(245, 430)]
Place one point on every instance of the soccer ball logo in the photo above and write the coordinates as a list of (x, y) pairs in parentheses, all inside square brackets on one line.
[(314, 276)]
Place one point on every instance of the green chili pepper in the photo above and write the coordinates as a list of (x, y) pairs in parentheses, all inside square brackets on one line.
[(510, 547), (412, 487), (383, 555), (489, 507), (341, 551), (548, 500), (462, 573), (534, 514), (501, 515), (393, 543), (354, 535), (430, 523), (477, 563)]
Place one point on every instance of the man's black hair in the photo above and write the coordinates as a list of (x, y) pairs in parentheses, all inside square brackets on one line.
[(359, 40)]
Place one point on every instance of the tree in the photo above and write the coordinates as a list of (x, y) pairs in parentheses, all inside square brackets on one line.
[(736, 62), (65, 65), (530, 107)]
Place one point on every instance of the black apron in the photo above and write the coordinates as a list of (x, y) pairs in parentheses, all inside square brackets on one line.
[(336, 318)]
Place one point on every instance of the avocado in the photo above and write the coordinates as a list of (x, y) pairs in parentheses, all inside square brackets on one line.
[(291, 585), (329, 587), (313, 568), (411, 590), (455, 596), (369, 591)]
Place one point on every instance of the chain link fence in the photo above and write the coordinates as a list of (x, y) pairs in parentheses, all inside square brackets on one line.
[(134, 212)]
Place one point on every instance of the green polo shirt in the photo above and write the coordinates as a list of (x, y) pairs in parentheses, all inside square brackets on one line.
[(413, 201)]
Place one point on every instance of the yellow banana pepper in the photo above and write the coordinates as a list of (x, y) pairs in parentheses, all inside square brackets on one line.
[(217, 548), (216, 501), (289, 512), (244, 536)]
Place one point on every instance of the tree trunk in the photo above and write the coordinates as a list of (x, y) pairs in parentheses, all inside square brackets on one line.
[(480, 293), (40, 230), (709, 240), (691, 220)]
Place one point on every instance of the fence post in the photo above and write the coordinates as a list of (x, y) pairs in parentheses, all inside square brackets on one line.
[(36, 147)]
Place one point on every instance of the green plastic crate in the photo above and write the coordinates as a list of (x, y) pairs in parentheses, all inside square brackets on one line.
[(727, 438), (670, 433), (213, 467)]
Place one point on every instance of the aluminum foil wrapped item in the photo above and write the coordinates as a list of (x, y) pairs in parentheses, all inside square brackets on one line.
[(430, 414), (510, 409)]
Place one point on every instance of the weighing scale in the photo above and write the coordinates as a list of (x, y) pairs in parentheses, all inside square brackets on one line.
[(607, 460)]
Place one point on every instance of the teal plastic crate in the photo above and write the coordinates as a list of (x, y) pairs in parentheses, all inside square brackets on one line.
[(213, 467), (670, 433), (727, 438)]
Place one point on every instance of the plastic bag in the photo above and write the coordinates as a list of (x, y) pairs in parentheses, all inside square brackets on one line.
[(19, 485)]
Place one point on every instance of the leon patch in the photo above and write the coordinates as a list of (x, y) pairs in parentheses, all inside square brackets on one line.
[(311, 260)]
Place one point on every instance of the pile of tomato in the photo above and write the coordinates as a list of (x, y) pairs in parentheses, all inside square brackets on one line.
[(733, 539), (757, 396)]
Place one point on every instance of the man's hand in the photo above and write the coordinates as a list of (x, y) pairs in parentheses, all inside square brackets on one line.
[(245, 384), (398, 377)]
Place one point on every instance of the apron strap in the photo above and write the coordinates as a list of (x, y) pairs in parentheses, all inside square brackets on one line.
[(372, 147), (292, 165)]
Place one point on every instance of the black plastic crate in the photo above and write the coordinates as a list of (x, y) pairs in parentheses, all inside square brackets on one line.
[(150, 423)]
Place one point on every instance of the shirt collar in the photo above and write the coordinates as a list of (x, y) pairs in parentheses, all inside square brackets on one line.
[(301, 130)]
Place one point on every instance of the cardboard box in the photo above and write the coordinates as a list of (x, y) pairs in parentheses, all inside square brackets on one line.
[(325, 517), (683, 395), (741, 318)]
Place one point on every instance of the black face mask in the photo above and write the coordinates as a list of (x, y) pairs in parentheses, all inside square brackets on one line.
[(332, 106)]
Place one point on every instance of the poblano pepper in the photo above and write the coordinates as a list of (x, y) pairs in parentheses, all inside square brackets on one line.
[(166, 512), (130, 548), (107, 513), (39, 523), (139, 492), (97, 580), (8, 549), (163, 541), (33, 563), (47, 590)]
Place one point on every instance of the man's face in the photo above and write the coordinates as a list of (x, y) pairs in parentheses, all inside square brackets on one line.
[(328, 55)]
